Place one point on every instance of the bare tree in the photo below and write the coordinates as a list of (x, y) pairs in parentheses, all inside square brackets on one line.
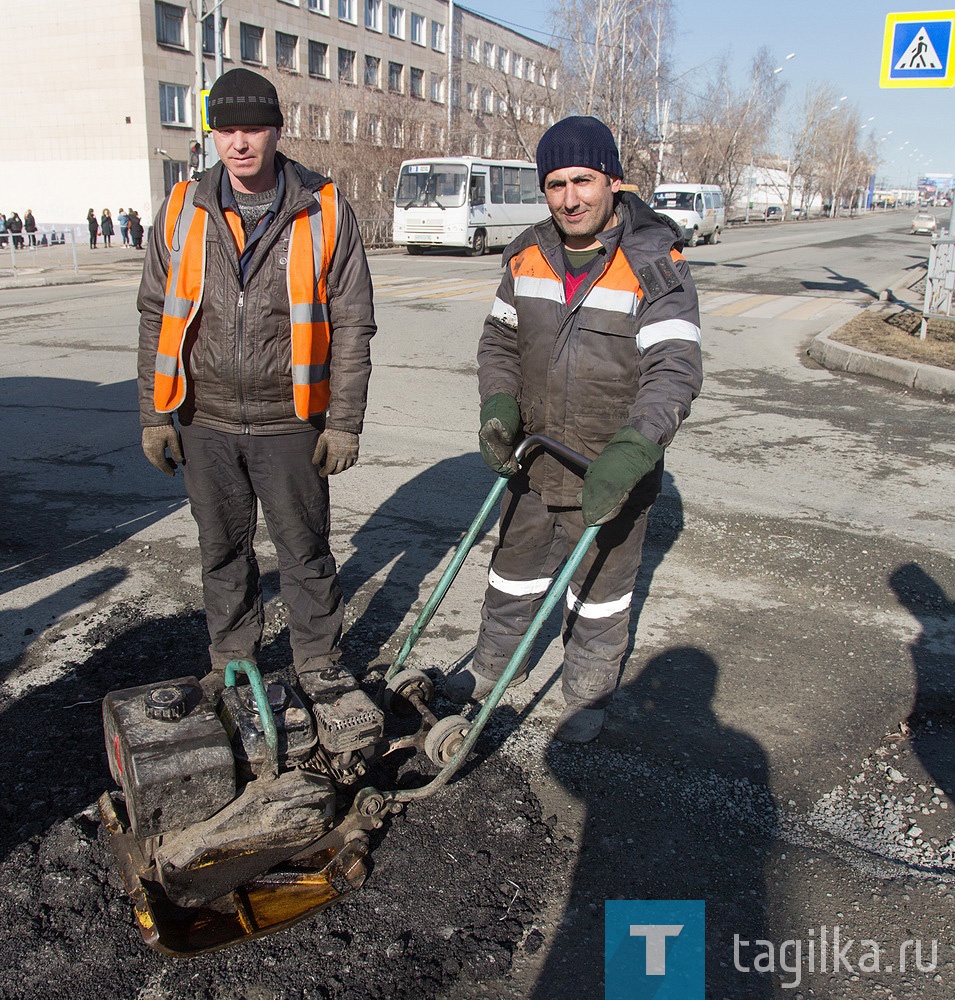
[(724, 132), (614, 65)]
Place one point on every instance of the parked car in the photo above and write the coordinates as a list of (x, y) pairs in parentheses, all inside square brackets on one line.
[(924, 223), (773, 213)]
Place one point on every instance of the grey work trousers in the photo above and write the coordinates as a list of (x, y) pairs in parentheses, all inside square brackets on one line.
[(534, 541), (227, 476)]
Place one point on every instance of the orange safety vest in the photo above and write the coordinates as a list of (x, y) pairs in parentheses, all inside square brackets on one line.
[(311, 245)]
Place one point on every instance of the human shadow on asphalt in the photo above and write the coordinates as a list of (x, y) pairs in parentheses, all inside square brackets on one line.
[(411, 533), (677, 807), (931, 722), (76, 483)]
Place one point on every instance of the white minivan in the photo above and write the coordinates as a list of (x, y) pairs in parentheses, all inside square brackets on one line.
[(698, 208)]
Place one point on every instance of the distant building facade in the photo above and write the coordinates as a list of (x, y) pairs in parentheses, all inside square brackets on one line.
[(101, 105)]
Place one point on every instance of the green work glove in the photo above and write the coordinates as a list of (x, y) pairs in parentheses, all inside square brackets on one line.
[(610, 477), (335, 451), (500, 425), (156, 440)]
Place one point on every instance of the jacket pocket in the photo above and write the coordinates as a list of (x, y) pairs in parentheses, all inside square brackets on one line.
[(607, 361)]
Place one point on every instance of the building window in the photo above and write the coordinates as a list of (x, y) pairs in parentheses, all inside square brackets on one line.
[(318, 6), (373, 72), (518, 66), (487, 101), (473, 48), (250, 43), (503, 59), (346, 11), (209, 35), (293, 120), (373, 130), (346, 66), (173, 171), (348, 126), (472, 96), (488, 55), (417, 29), (373, 15), (531, 71), (502, 107), (318, 122), (318, 59), (286, 52), (174, 104), (396, 133), (417, 83), (437, 36), (396, 21), (437, 88), (169, 22), (395, 74)]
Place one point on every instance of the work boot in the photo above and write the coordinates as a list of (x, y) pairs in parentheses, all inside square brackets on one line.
[(323, 678), (468, 685), (579, 725)]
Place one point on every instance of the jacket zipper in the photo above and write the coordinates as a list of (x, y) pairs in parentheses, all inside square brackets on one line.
[(240, 397)]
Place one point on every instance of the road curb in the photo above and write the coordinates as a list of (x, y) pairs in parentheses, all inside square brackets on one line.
[(841, 357)]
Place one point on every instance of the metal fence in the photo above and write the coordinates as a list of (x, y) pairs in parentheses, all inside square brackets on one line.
[(375, 233), (29, 253)]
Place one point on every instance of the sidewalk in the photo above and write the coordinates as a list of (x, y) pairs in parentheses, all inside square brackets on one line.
[(54, 265)]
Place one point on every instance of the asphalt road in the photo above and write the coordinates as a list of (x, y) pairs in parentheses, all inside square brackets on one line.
[(783, 742)]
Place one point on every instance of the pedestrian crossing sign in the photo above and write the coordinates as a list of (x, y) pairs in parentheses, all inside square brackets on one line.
[(917, 49)]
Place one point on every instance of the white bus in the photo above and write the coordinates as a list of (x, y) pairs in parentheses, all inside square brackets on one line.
[(465, 201)]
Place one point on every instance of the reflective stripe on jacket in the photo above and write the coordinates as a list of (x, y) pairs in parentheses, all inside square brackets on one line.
[(311, 245)]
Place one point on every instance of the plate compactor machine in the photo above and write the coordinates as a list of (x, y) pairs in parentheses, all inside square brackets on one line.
[(244, 807)]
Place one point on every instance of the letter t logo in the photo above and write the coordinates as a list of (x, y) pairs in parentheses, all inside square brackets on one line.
[(656, 944)]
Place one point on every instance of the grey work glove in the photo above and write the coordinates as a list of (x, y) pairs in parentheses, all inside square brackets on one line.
[(335, 451), (500, 426), (155, 442), (627, 457)]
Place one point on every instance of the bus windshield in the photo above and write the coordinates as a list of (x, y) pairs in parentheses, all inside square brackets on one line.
[(673, 199), (423, 184)]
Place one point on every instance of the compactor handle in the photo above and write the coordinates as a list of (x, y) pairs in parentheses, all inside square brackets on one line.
[(554, 447)]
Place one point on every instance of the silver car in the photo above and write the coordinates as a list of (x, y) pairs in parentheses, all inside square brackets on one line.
[(924, 223)]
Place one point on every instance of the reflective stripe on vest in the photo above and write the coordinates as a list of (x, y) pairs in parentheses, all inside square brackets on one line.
[(311, 246), (184, 225)]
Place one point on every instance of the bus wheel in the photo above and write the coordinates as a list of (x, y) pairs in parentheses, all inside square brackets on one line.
[(415, 251), (480, 244)]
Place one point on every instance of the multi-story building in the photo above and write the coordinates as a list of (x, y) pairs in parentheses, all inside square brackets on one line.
[(100, 100)]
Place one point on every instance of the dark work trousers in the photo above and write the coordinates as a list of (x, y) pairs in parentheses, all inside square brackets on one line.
[(225, 476), (534, 541)]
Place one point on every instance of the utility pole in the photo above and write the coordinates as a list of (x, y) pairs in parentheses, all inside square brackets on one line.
[(199, 83)]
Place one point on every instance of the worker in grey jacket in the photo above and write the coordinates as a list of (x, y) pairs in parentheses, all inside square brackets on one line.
[(594, 341), (256, 322)]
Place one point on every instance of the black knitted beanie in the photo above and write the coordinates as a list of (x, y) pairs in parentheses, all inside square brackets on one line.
[(578, 141), (241, 97)]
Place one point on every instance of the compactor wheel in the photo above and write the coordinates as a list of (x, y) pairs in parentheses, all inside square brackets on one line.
[(444, 739), (402, 685)]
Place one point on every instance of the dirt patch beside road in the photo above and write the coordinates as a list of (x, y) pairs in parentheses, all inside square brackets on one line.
[(893, 330)]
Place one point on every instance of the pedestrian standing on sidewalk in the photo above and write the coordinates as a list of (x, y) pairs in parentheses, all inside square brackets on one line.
[(268, 379), (136, 229), (93, 224), (593, 340), (123, 219), (106, 227), (15, 226), (29, 227)]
